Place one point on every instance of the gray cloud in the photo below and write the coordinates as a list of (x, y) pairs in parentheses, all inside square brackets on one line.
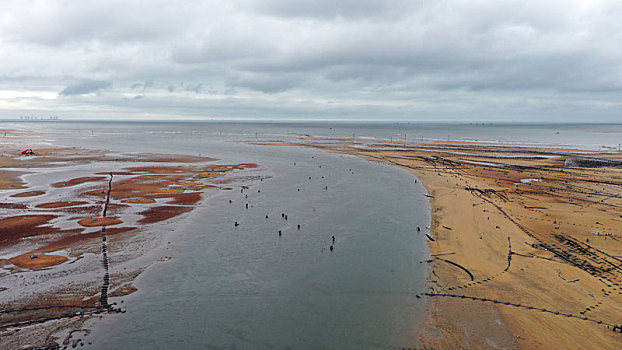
[(375, 59), (86, 86), (356, 9), (68, 23), (267, 83), (194, 88)]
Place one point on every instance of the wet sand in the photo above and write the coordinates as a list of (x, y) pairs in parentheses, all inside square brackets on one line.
[(526, 247)]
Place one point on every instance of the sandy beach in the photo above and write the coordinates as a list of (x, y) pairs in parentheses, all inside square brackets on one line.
[(525, 242), (65, 210)]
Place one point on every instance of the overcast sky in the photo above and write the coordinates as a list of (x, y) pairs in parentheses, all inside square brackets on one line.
[(455, 60)]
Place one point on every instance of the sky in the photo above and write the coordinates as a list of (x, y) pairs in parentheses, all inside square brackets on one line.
[(349, 60)]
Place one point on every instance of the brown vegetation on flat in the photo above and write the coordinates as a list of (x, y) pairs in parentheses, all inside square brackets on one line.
[(74, 239), (94, 222), (13, 206), (28, 194), (161, 170), (138, 200), (78, 181), (187, 198), (60, 204), (162, 213), (34, 260), (14, 228)]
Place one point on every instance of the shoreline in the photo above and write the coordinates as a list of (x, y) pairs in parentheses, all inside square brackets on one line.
[(521, 251)]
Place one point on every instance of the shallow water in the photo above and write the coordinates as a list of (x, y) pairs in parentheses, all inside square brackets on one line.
[(248, 287)]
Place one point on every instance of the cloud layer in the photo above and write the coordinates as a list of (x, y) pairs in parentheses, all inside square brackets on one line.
[(276, 59)]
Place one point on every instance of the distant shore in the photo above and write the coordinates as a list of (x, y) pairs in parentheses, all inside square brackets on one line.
[(525, 242)]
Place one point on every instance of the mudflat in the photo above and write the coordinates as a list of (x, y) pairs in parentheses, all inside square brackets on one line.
[(64, 210)]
